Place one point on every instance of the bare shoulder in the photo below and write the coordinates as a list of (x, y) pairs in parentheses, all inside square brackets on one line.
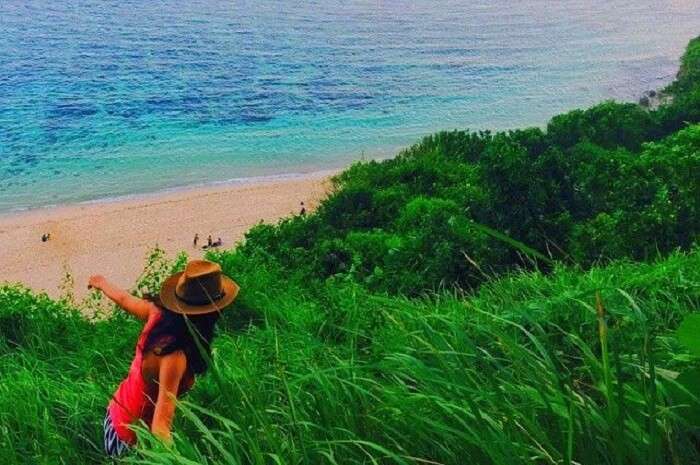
[(175, 358), (136, 306), (151, 307), (173, 364)]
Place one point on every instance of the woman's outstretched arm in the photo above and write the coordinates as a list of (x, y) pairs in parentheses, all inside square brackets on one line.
[(138, 307)]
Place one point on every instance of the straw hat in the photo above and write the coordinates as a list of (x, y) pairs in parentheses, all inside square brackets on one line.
[(200, 289)]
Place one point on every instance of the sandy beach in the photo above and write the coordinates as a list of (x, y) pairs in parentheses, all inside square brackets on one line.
[(113, 237)]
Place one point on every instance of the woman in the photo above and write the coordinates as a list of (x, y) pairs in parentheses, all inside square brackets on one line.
[(173, 347)]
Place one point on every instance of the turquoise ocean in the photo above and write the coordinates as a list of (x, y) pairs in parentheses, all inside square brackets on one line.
[(101, 98)]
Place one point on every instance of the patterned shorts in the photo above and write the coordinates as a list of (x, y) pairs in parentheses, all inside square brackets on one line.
[(114, 447)]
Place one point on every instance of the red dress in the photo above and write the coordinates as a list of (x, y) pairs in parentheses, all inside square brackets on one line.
[(131, 403)]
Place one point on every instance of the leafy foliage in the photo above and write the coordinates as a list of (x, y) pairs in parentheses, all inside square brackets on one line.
[(687, 334), (614, 181)]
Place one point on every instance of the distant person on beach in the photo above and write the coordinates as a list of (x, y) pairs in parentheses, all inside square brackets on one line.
[(172, 349), (196, 239), (45, 237), (209, 241), (213, 244), (302, 212)]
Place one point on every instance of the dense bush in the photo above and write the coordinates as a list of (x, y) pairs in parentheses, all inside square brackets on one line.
[(614, 181), (689, 73)]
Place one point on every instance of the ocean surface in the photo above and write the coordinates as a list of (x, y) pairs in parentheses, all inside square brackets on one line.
[(104, 98)]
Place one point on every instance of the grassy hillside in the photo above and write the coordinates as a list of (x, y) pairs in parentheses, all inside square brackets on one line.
[(513, 374), (484, 298)]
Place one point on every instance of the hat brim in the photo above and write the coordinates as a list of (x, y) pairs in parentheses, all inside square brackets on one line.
[(172, 302)]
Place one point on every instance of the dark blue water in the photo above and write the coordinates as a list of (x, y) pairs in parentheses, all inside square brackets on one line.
[(107, 98)]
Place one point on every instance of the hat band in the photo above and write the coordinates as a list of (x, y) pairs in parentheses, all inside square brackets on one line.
[(205, 300)]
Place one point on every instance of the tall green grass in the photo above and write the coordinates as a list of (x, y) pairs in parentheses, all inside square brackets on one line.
[(528, 370)]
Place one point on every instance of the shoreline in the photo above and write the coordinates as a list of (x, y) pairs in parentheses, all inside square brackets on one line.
[(207, 185), (271, 173), (113, 236), (171, 191)]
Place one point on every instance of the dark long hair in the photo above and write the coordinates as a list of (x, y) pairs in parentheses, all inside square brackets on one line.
[(190, 333)]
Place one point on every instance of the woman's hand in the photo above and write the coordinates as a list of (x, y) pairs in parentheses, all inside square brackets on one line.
[(96, 282), (137, 307)]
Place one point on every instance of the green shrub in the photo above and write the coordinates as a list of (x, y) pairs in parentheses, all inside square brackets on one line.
[(613, 181)]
